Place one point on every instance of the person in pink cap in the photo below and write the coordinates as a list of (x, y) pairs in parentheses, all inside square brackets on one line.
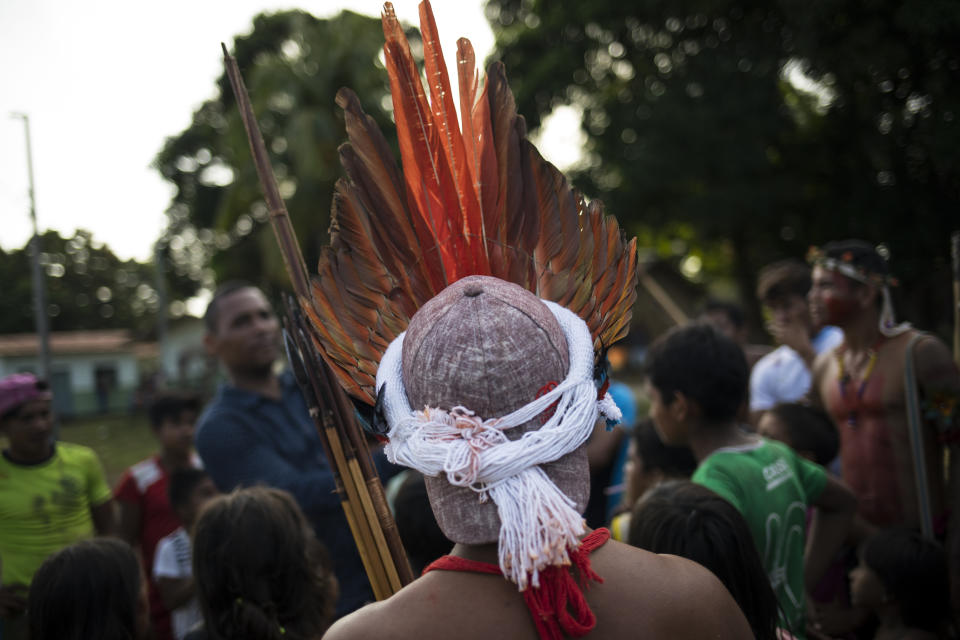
[(51, 493)]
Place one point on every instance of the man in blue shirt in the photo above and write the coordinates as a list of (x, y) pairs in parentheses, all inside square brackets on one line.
[(257, 430)]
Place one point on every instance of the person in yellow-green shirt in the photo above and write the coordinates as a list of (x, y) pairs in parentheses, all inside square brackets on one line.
[(51, 493)]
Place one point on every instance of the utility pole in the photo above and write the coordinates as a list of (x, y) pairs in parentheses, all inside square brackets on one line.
[(162, 328), (39, 285)]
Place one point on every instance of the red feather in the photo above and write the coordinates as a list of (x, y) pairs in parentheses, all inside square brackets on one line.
[(464, 214)]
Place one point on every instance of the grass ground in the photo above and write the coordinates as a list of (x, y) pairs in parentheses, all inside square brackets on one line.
[(120, 440)]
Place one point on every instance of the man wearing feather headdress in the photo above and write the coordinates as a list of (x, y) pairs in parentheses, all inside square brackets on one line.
[(470, 299), (504, 385), (469, 296)]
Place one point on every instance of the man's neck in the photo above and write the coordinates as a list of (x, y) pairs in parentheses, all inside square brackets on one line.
[(488, 553), (266, 384), (28, 458), (705, 438), (477, 552), (862, 333)]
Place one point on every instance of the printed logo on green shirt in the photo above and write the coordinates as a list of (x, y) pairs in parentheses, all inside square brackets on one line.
[(777, 473)]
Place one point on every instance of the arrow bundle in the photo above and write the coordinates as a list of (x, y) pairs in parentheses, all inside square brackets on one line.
[(358, 484)]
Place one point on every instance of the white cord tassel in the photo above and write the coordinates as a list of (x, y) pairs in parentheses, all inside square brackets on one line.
[(538, 522), (537, 525), (888, 324)]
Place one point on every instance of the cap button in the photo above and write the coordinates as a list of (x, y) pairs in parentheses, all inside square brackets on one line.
[(472, 291)]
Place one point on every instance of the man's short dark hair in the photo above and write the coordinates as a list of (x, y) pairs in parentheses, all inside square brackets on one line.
[(732, 310), (182, 484), (781, 279), (169, 405), (212, 315), (704, 365)]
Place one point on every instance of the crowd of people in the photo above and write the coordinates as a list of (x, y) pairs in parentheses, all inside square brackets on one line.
[(803, 491)]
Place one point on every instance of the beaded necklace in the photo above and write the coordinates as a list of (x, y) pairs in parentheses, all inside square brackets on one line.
[(844, 377)]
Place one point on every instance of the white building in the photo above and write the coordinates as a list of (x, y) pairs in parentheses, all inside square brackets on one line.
[(90, 371)]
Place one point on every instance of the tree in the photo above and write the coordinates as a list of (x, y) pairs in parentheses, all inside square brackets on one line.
[(753, 129), (88, 287), (293, 64)]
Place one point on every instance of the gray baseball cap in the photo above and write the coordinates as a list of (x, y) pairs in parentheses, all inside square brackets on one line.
[(490, 346)]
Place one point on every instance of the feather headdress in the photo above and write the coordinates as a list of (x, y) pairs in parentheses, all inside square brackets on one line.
[(474, 197)]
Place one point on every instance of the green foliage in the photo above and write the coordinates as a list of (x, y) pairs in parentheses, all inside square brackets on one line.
[(87, 287), (763, 127), (293, 64)]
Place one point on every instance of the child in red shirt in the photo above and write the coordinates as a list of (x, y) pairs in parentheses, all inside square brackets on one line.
[(145, 512)]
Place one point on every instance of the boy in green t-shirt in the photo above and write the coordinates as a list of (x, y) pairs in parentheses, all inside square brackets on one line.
[(696, 382), (51, 494)]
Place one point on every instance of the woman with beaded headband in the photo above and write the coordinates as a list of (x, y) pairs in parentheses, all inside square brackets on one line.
[(869, 383)]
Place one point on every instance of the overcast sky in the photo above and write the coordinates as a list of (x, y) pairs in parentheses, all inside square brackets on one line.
[(106, 81)]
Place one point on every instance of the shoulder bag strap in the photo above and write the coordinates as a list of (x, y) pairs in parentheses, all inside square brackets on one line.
[(915, 424)]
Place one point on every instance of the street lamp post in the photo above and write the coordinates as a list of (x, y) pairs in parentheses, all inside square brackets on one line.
[(39, 288)]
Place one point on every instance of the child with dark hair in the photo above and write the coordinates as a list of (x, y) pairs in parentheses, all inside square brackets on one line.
[(811, 433), (91, 589), (696, 380), (902, 578), (649, 463), (145, 512), (807, 430), (260, 571), (688, 520), (784, 374), (421, 535), (190, 490)]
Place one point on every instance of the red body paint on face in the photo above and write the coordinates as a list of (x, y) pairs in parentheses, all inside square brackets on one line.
[(839, 310), (837, 297)]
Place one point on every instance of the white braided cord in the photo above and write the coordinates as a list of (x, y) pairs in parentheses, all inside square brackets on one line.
[(887, 325), (538, 522)]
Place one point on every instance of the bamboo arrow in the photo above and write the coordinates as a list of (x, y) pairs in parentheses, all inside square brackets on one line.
[(357, 482)]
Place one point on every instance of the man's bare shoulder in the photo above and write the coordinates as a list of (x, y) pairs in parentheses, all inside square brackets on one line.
[(675, 597), (362, 623), (664, 596), (437, 604), (934, 362)]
